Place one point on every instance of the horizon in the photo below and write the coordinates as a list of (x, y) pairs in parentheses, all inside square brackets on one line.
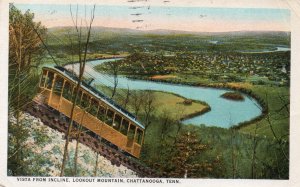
[(177, 18), (170, 30)]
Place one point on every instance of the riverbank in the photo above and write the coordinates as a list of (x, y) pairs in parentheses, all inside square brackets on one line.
[(231, 87), (205, 110), (193, 109), (114, 57)]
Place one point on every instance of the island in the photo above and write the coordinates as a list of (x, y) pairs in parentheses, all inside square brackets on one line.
[(235, 96)]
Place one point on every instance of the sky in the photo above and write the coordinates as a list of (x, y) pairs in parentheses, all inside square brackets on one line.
[(170, 15)]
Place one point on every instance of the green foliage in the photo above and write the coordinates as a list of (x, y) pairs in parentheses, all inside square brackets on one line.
[(25, 52), (186, 154), (24, 42), (215, 161), (278, 100)]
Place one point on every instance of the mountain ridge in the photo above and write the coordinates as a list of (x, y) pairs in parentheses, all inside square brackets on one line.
[(168, 32)]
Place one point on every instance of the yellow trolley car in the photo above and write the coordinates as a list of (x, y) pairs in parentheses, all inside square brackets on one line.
[(93, 110)]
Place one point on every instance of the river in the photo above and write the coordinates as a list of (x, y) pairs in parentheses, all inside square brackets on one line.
[(224, 113), (277, 49)]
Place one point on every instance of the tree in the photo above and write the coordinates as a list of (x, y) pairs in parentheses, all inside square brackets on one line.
[(186, 147), (149, 107), (234, 152), (126, 100), (96, 165), (24, 50), (166, 123), (24, 47), (114, 68), (24, 42), (82, 61), (185, 158), (136, 101), (179, 114)]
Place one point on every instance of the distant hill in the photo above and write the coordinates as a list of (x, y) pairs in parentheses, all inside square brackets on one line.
[(126, 31), (107, 39)]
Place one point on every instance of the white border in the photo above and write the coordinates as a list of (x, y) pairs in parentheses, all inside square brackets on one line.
[(293, 5)]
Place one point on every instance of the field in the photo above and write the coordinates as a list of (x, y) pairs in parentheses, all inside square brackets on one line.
[(173, 103)]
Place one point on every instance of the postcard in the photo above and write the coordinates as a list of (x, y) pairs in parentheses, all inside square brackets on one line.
[(149, 92)]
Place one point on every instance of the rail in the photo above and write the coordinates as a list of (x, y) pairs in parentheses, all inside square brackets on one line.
[(58, 121)]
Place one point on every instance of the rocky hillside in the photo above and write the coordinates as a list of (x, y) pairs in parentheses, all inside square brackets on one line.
[(48, 143)]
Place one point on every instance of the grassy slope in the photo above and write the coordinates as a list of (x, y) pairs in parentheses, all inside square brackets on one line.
[(163, 102), (173, 103), (279, 119)]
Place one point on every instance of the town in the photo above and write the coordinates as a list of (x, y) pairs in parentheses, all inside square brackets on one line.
[(257, 68)]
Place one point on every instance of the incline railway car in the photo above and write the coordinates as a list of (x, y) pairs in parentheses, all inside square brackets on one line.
[(93, 110)]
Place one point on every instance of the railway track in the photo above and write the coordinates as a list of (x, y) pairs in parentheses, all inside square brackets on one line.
[(58, 121)]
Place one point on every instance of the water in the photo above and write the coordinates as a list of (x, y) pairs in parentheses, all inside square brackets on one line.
[(224, 113), (268, 51), (214, 42), (283, 49)]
